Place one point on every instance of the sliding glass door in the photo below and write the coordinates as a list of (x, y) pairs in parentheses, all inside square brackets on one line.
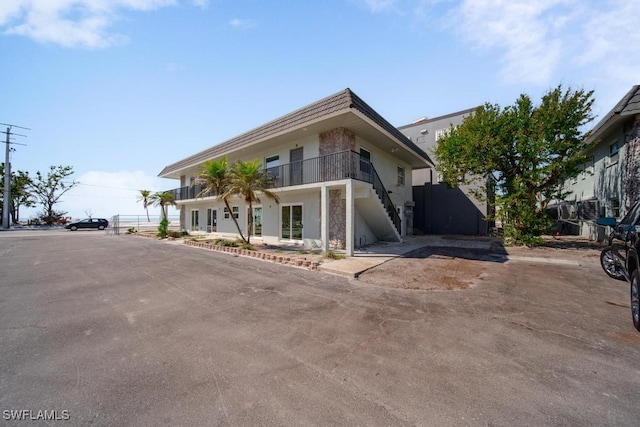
[(291, 222)]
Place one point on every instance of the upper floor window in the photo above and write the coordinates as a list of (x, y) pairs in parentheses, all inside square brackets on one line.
[(614, 148), (365, 161), (613, 152), (271, 165), (589, 166), (271, 162), (400, 175)]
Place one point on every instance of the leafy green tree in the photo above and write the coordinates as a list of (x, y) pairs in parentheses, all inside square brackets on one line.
[(248, 180), (525, 150), (243, 179), (20, 194), (144, 197), (49, 189), (164, 199), (215, 179)]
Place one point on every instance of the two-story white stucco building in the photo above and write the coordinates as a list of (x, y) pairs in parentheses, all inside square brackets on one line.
[(342, 172)]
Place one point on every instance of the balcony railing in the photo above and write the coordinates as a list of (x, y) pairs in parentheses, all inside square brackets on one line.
[(332, 167)]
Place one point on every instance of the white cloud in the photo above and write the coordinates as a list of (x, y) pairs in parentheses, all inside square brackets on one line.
[(73, 23), (528, 34), (242, 24), (611, 32), (108, 193), (547, 41)]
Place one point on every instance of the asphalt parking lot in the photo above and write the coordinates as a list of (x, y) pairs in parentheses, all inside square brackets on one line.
[(131, 331)]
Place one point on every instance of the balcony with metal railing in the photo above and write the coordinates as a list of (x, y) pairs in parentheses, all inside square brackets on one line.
[(331, 167)]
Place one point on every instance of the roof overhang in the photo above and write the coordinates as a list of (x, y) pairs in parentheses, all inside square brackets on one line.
[(351, 119), (343, 109), (626, 108)]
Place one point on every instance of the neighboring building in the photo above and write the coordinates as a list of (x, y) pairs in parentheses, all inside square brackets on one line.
[(342, 172), (439, 208), (609, 183)]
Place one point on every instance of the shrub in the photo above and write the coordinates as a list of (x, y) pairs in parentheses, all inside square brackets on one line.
[(175, 234), (226, 242), (131, 230), (163, 228)]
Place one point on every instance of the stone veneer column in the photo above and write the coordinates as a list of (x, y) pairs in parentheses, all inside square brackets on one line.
[(350, 219), (336, 140), (330, 142), (337, 220)]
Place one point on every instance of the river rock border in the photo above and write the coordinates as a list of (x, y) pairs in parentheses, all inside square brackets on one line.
[(277, 258)]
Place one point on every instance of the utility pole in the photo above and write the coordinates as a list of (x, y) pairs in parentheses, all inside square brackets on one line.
[(6, 201)]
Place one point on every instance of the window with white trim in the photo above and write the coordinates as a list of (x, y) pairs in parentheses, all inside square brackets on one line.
[(615, 207), (613, 153), (614, 148), (271, 166), (235, 211), (400, 175)]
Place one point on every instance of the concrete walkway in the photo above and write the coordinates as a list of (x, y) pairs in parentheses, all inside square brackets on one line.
[(379, 253)]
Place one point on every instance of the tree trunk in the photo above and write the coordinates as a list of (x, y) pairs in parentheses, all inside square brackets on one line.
[(14, 213), (250, 225), (226, 202)]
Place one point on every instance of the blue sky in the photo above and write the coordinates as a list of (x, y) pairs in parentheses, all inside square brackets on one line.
[(118, 89)]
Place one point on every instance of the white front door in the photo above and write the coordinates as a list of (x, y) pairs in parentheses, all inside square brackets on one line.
[(212, 220), (195, 220), (257, 221)]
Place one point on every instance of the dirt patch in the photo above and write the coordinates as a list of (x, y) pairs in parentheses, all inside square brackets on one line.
[(455, 268), (431, 269)]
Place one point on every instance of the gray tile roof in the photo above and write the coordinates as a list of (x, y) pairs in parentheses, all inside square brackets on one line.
[(629, 105), (632, 106), (341, 101)]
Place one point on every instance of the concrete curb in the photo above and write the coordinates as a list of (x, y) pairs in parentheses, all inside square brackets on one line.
[(278, 259)]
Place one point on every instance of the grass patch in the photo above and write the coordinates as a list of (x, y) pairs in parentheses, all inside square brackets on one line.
[(333, 255), (226, 242)]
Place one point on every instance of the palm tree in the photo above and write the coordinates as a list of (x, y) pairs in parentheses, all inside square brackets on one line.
[(214, 177), (164, 199), (247, 179), (146, 201)]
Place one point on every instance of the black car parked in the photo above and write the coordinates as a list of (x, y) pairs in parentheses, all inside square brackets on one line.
[(99, 223), (620, 259)]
